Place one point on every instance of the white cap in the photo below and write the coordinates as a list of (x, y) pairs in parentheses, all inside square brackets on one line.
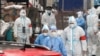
[(53, 27), (45, 27)]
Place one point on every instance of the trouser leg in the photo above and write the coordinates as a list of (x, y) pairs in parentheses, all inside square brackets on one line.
[(94, 49)]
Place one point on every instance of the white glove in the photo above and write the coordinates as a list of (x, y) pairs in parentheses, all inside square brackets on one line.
[(37, 29)]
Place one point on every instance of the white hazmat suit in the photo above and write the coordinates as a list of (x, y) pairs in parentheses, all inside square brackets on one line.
[(48, 19), (92, 28), (75, 39), (3, 27), (23, 28)]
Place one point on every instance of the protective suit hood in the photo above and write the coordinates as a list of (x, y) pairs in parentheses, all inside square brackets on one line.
[(23, 13), (53, 32), (45, 27), (53, 27), (72, 21), (92, 11)]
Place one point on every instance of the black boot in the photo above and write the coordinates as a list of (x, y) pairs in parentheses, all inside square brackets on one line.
[(93, 55)]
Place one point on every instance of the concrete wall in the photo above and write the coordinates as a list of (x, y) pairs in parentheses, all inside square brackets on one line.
[(85, 5), (90, 3)]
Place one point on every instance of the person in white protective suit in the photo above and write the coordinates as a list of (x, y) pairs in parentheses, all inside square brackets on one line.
[(80, 19), (48, 17), (92, 29), (22, 28), (3, 27), (75, 40)]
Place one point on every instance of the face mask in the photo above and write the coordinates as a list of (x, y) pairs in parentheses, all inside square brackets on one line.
[(79, 15), (23, 13), (45, 34), (53, 34), (49, 12), (72, 25)]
